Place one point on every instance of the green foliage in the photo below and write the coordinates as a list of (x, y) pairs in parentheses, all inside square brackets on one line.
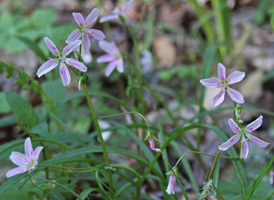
[(4, 106), (183, 72), (22, 109)]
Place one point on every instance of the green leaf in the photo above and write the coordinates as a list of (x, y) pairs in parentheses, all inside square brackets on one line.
[(258, 180), (43, 17), (86, 192), (13, 194), (41, 129), (22, 109), (68, 182), (14, 45), (33, 46), (7, 120), (55, 91), (4, 106)]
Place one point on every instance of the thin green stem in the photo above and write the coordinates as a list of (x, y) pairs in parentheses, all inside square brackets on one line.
[(35, 184), (99, 135), (131, 112), (70, 168), (214, 166)]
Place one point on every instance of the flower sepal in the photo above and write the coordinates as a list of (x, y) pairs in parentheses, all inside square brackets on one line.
[(174, 171), (150, 134), (80, 58), (122, 18)]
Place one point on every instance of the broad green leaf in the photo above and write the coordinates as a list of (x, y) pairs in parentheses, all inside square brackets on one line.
[(55, 91), (43, 17), (22, 109), (13, 194), (14, 45), (41, 129), (4, 106), (6, 21), (7, 120)]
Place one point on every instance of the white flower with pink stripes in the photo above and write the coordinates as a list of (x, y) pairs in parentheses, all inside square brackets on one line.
[(244, 134), (85, 30), (25, 162), (61, 60), (224, 84)]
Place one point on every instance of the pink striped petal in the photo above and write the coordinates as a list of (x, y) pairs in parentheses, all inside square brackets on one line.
[(221, 72), (47, 66), (36, 153), (171, 184), (233, 140), (110, 68), (257, 141), (76, 64), (235, 95), (85, 44), (235, 77), (233, 125), (120, 66), (78, 18), (64, 73), (98, 35), (210, 82), (127, 6), (28, 148), (108, 18), (70, 47), (92, 17), (255, 124), (15, 171), (244, 149), (115, 47), (19, 159), (218, 99), (75, 35), (106, 58), (51, 46), (151, 144), (107, 47)]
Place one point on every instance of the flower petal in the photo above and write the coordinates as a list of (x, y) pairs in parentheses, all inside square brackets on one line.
[(257, 141), (76, 64), (221, 72), (85, 44), (47, 66), (78, 18), (255, 124), (210, 82), (15, 171), (75, 35), (114, 47), (127, 6), (87, 57), (98, 35), (19, 159), (233, 140), (171, 184), (107, 47), (92, 17), (36, 153), (110, 68), (51, 46), (64, 73), (70, 47), (120, 66), (233, 125), (235, 95), (108, 18), (151, 144), (218, 99), (28, 148), (235, 77), (244, 149), (106, 58)]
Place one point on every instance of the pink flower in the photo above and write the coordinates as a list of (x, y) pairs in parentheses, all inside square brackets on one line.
[(271, 174), (224, 83), (113, 56), (84, 30), (151, 144), (244, 134), (61, 58), (25, 162), (171, 184), (116, 12)]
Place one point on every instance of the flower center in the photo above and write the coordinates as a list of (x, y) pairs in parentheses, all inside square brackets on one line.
[(31, 165), (117, 55)]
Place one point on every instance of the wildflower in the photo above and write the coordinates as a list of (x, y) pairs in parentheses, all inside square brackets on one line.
[(224, 83), (243, 133), (62, 60), (271, 174), (113, 56), (25, 162), (84, 29), (171, 184), (146, 61), (151, 138), (116, 12)]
